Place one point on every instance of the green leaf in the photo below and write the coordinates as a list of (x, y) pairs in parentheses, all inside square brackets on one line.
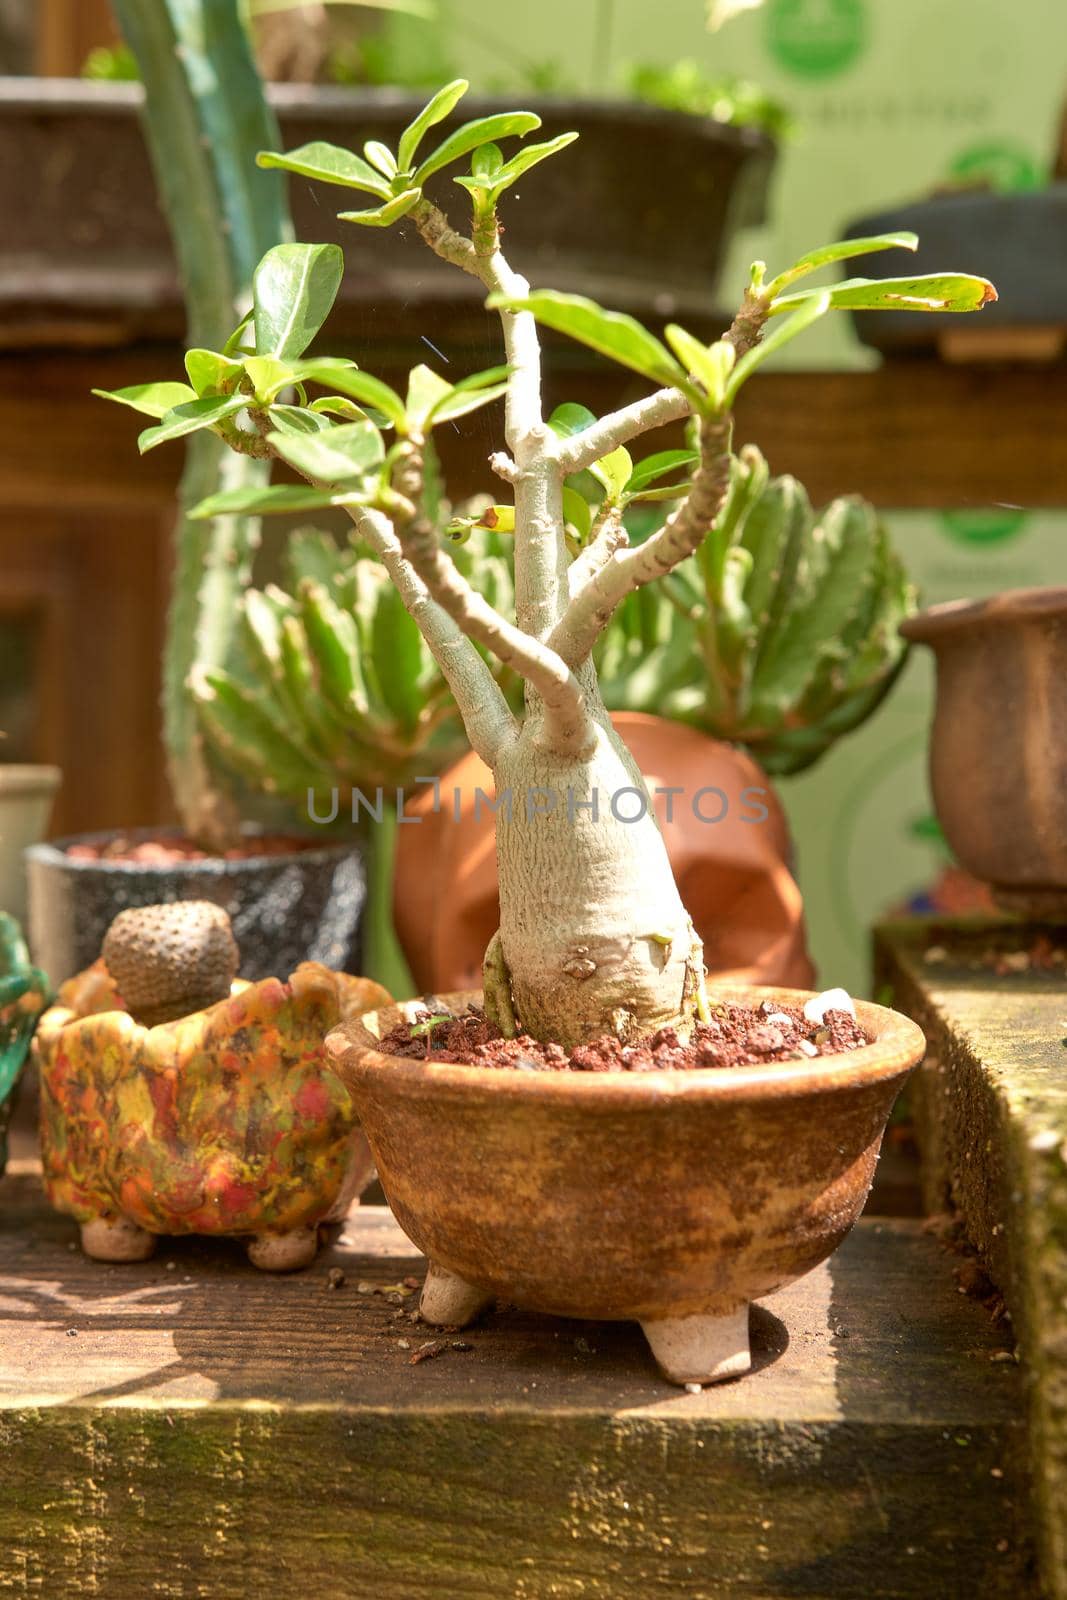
[(810, 309), (297, 419), (211, 372), (842, 251), (614, 472), (494, 182), (466, 397), (328, 163), (357, 386), (486, 162), (269, 376), (293, 291), (151, 399), (435, 111), (334, 641), (711, 365), (337, 456), (398, 658), (191, 417), (381, 158), (932, 291), (611, 333), (336, 405), (240, 726), (383, 216), (576, 512), (273, 498), (233, 343), (484, 130), (658, 466), (425, 391), (571, 418)]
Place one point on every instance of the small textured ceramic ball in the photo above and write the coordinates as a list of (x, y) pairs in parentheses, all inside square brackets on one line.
[(170, 960)]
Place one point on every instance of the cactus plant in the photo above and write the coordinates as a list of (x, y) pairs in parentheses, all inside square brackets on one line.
[(335, 689), (205, 117), (594, 938), (779, 633)]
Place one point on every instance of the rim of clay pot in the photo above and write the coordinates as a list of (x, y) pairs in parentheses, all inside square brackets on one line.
[(53, 852), (898, 1045), (25, 777), (1011, 605)]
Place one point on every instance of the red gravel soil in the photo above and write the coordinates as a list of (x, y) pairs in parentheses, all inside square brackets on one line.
[(170, 851), (736, 1036)]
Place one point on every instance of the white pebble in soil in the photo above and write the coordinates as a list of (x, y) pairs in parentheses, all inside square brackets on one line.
[(816, 1008)]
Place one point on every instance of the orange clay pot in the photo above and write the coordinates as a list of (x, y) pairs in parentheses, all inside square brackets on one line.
[(733, 875), (670, 1198)]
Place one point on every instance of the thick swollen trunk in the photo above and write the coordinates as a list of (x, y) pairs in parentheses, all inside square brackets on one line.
[(593, 934)]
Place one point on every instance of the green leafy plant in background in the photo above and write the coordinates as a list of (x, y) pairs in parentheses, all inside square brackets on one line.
[(361, 446)]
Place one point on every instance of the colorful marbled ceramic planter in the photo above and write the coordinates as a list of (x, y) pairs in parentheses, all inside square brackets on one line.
[(226, 1121)]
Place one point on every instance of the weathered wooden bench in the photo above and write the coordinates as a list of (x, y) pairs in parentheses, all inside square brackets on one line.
[(991, 1114), (189, 1427)]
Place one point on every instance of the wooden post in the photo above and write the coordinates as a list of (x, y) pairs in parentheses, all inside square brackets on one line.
[(66, 32)]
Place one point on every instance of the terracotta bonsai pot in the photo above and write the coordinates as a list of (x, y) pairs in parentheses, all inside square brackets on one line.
[(733, 875), (998, 749), (227, 1121), (670, 1198)]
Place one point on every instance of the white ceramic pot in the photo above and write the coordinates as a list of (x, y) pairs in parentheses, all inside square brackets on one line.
[(26, 795)]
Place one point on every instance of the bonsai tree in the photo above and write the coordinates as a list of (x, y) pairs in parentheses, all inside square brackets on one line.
[(593, 937)]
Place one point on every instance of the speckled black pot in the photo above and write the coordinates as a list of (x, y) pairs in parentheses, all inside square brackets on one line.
[(285, 909)]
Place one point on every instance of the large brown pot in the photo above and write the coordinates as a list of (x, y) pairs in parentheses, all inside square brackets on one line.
[(670, 1198), (733, 875), (998, 749)]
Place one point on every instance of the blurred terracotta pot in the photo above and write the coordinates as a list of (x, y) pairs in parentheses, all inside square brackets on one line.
[(673, 1199), (998, 747), (732, 874)]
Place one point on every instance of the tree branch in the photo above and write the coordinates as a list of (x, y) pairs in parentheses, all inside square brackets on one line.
[(592, 607), (486, 715), (568, 726), (540, 549), (609, 535), (618, 427)]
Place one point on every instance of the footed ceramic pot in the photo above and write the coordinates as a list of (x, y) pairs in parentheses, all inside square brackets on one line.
[(733, 874), (673, 1199), (998, 755), (225, 1121)]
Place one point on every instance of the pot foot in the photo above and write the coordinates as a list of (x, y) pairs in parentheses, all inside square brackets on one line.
[(116, 1239), (448, 1301), (284, 1252), (702, 1348)]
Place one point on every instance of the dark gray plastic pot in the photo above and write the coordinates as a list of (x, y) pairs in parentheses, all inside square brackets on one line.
[(304, 906), (1018, 241)]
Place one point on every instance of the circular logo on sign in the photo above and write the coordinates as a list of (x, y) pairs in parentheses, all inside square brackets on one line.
[(816, 38), (993, 526), (998, 164)]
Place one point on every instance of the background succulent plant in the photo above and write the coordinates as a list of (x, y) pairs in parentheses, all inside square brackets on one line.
[(779, 633), (336, 689)]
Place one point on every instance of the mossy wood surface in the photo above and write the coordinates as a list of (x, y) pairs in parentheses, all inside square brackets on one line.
[(188, 1427), (991, 1110)]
